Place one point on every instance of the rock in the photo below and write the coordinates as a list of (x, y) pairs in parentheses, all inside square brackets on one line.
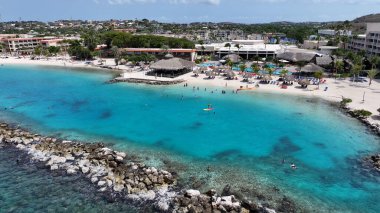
[(56, 160), (85, 170), (192, 193), (53, 167), (267, 210), (94, 179), (109, 183), (211, 192), (118, 187), (71, 171), (163, 206), (101, 183)]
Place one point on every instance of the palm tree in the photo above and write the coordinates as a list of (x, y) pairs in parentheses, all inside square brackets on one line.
[(371, 75), (255, 68), (269, 70), (339, 66), (318, 75), (230, 64), (229, 46), (238, 47), (243, 67), (300, 64), (375, 61), (356, 71), (165, 49), (283, 72)]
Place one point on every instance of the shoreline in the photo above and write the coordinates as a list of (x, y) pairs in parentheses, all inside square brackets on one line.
[(114, 174), (337, 89)]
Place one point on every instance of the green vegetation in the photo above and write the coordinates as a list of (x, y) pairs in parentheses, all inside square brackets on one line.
[(140, 58), (318, 75), (371, 75), (127, 40), (345, 101), (79, 52), (361, 113)]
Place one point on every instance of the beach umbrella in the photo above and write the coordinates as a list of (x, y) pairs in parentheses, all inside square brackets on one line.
[(266, 78), (210, 74), (304, 82), (247, 75), (289, 78), (230, 74), (196, 72)]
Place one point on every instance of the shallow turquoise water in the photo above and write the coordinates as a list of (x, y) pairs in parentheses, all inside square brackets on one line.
[(250, 132)]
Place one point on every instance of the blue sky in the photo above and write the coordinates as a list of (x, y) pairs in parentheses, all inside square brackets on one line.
[(183, 11)]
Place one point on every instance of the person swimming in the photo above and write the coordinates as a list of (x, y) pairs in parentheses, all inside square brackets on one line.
[(293, 166)]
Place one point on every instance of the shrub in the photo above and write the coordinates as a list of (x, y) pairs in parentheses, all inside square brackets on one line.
[(345, 101), (361, 113)]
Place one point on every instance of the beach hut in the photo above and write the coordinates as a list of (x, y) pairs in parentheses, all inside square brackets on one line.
[(172, 67), (311, 68), (324, 61), (297, 56)]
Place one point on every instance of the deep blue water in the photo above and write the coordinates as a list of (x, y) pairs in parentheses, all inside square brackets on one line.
[(249, 134)]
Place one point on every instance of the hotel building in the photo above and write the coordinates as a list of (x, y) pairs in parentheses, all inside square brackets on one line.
[(370, 42)]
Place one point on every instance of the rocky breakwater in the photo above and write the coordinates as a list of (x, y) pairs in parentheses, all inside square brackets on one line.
[(102, 166), (373, 161), (114, 174)]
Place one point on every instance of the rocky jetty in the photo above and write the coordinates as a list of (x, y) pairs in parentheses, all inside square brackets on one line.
[(113, 173), (374, 161), (374, 127), (145, 81)]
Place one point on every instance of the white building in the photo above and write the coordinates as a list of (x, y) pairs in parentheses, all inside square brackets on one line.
[(370, 42), (247, 48), (328, 32)]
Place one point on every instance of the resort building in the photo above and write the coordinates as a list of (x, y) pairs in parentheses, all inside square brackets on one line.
[(329, 32), (247, 49), (26, 46), (370, 42), (188, 54), (314, 44)]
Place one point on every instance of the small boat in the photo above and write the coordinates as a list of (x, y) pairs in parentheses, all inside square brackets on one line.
[(208, 109)]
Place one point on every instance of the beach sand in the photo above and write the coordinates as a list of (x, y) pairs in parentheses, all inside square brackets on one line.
[(336, 88)]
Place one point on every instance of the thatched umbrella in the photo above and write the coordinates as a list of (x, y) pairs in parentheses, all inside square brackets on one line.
[(210, 74), (304, 82), (230, 74), (266, 78), (247, 75), (232, 57), (289, 78), (196, 72)]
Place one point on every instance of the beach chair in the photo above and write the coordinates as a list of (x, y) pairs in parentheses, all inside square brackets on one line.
[(326, 88)]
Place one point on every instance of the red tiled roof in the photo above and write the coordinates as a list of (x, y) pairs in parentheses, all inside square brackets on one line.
[(158, 50)]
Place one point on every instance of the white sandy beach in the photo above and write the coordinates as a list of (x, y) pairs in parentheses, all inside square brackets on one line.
[(336, 88)]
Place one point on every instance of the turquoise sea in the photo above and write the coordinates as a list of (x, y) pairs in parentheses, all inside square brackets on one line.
[(248, 141)]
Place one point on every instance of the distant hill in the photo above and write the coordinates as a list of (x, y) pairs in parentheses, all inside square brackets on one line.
[(368, 18)]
